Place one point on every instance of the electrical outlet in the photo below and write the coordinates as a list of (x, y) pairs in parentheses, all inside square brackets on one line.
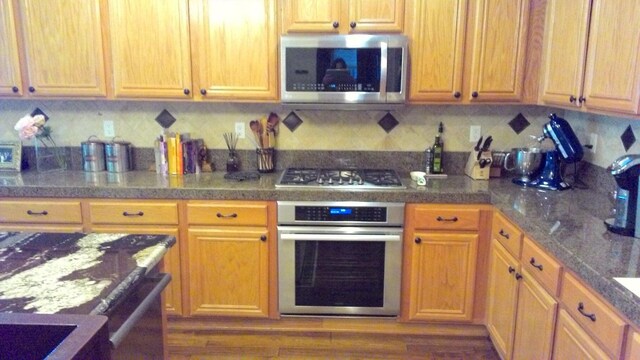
[(475, 131), (108, 128), (240, 130), (593, 141)]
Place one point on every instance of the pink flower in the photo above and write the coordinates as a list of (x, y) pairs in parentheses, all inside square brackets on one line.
[(29, 126)]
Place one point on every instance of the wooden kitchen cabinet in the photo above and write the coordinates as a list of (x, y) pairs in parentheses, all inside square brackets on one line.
[(230, 250), (10, 71), (40, 215), (440, 249), (150, 52), (342, 16), (63, 42), (572, 342), (593, 62), (634, 346), (234, 49), (144, 217)]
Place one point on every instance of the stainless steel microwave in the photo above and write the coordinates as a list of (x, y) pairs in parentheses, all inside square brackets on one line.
[(343, 69)]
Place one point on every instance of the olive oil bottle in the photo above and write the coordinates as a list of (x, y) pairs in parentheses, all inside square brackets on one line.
[(438, 147)]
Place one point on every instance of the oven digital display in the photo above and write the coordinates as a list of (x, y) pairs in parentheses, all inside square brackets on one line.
[(340, 211)]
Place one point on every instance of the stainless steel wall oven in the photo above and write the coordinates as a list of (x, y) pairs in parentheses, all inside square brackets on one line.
[(339, 258)]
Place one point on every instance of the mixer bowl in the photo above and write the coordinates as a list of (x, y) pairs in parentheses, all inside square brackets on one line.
[(526, 163)]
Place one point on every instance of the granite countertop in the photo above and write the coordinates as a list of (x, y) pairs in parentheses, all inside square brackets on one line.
[(568, 224), (73, 273)]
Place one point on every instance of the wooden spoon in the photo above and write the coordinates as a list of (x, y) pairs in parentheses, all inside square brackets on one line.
[(255, 128)]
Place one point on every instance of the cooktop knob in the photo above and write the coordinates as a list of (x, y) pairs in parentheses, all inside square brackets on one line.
[(340, 181), (330, 181), (360, 182), (350, 181), (320, 180)]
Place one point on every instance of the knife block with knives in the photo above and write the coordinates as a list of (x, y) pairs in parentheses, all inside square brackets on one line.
[(479, 163)]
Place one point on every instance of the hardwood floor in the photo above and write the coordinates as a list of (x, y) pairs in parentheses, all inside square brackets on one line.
[(200, 340)]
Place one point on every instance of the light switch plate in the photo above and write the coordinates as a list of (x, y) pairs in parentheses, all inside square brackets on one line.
[(108, 128), (475, 131), (240, 130)]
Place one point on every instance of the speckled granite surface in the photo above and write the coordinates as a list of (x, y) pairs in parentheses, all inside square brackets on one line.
[(74, 273), (568, 224)]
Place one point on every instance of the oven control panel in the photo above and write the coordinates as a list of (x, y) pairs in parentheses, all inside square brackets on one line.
[(341, 213)]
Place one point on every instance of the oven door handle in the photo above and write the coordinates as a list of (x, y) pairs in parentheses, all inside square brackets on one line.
[(117, 337), (339, 237)]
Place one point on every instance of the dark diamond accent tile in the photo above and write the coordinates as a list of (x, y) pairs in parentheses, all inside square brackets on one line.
[(165, 119), (519, 123), (292, 121), (388, 122), (37, 111), (628, 138)]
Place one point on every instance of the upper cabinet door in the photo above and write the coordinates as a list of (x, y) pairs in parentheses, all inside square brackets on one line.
[(376, 15), (10, 75), (234, 45), (565, 52), (311, 16), (612, 79), (150, 48), (499, 47), (63, 41), (436, 31)]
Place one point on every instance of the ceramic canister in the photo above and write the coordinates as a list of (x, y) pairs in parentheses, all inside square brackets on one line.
[(93, 155)]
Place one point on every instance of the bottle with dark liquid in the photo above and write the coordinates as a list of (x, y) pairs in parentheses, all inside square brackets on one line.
[(438, 147)]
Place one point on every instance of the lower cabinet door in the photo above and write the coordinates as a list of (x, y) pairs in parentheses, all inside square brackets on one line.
[(229, 271), (535, 320), (572, 342)]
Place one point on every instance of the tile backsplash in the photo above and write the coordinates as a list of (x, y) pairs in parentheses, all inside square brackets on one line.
[(74, 121)]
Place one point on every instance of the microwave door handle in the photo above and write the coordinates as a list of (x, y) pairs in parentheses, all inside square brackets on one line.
[(339, 237), (383, 69)]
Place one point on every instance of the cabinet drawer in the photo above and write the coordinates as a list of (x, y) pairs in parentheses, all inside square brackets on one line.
[(507, 234), (41, 212), (227, 213), (542, 266), (134, 213), (446, 218), (593, 315)]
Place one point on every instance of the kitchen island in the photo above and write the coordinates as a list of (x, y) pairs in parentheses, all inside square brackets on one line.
[(75, 273)]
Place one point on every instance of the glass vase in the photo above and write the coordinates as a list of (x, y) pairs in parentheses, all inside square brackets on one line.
[(49, 157)]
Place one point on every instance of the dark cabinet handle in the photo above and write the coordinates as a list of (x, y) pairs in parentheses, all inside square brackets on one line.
[(474, 94), (186, 91), (336, 24), (511, 270), (582, 99), (38, 213), (533, 263), (230, 216), (15, 89), (581, 310), (126, 213), (572, 99), (203, 91), (518, 276), (417, 240), (503, 234), (457, 94), (263, 237), (32, 89), (441, 219), (353, 24)]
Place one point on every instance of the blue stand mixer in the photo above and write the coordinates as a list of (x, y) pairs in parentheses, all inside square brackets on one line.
[(568, 149)]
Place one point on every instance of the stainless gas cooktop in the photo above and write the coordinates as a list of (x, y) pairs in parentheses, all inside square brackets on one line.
[(350, 179)]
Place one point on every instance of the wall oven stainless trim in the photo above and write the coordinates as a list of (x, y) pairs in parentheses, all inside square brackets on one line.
[(383, 42), (287, 237), (286, 212)]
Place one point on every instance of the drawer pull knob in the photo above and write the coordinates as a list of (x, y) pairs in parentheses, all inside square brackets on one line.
[(518, 276), (38, 213), (533, 263), (453, 219), (263, 237), (335, 24), (417, 240), (230, 216), (581, 310), (511, 270), (126, 213), (503, 234)]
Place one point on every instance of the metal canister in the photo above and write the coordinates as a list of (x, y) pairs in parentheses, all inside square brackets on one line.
[(93, 154), (118, 155)]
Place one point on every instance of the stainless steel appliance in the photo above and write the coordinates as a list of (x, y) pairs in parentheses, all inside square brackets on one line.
[(526, 164), (346, 179), (339, 258), (626, 172), (343, 69)]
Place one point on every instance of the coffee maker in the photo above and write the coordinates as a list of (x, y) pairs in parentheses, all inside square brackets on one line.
[(567, 149), (626, 171)]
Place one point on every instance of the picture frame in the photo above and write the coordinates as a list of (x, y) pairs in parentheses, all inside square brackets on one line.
[(10, 155)]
